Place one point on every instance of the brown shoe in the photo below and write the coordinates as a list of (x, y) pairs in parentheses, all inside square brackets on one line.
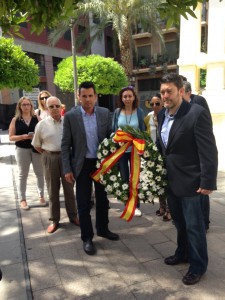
[(75, 221), (23, 205), (53, 227), (42, 202)]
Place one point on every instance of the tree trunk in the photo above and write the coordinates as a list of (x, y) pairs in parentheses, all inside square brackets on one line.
[(126, 53)]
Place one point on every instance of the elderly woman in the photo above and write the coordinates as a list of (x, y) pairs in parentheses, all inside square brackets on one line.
[(21, 131), (42, 110), (130, 114)]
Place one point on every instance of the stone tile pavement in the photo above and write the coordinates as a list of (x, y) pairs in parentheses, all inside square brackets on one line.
[(37, 265)]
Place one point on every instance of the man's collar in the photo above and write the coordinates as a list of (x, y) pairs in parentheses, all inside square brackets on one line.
[(84, 112)]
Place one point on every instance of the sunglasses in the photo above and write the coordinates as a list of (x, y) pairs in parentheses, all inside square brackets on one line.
[(25, 104), (155, 104), (54, 106), (44, 98), (129, 87)]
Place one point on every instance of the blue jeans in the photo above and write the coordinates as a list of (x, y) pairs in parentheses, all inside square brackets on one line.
[(188, 218), (124, 166)]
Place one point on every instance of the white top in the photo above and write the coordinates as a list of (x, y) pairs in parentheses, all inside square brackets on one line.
[(48, 134), (152, 126), (43, 113)]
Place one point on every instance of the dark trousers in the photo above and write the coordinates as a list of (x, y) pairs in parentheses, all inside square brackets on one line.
[(206, 209), (191, 236), (83, 194), (124, 166)]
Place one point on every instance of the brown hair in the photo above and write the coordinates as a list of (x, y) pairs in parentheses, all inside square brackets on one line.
[(128, 88)]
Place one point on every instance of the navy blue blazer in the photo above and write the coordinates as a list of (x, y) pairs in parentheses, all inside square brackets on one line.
[(191, 154)]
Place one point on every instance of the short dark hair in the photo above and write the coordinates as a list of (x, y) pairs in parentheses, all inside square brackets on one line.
[(128, 88), (183, 78), (187, 86), (173, 78), (87, 85), (158, 95)]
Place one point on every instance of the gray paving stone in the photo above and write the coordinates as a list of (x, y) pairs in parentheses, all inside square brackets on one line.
[(55, 293), (141, 249), (13, 285), (10, 253), (9, 228), (43, 273), (37, 247)]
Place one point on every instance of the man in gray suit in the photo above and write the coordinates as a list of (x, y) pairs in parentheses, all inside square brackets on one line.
[(84, 128)]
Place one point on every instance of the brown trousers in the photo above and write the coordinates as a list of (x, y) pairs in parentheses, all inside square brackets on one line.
[(52, 165)]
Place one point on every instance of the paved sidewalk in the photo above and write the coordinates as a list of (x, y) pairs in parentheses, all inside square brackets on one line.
[(38, 265)]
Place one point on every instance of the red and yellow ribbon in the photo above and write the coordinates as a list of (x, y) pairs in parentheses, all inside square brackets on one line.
[(138, 146)]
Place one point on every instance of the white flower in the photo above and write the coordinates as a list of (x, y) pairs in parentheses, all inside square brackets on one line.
[(158, 168), (150, 174), (150, 164), (160, 158), (109, 171), (146, 154), (113, 177), (125, 186), (106, 142), (116, 185), (105, 152), (98, 165), (155, 148), (109, 188), (113, 149), (152, 182), (141, 196), (99, 156), (118, 192), (161, 191), (158, 178)]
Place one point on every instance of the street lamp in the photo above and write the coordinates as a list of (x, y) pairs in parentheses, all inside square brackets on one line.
[(74, 60)]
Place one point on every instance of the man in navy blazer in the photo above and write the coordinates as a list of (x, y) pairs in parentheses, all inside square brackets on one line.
[(187, 142), (84, 128)]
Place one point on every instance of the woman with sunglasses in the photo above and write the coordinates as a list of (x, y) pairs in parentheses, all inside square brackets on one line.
[(151, 123), (21, 130), (130, 114), (42, 110)]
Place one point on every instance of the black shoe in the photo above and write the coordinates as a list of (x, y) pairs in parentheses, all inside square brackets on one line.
[(108, 235), (0, 275), (89, 247), (191, 278), (174, 260)]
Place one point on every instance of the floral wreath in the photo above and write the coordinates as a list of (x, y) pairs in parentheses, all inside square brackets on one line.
[(148, 174)]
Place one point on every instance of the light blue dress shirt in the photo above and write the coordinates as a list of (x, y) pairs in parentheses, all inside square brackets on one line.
[(90, 125), (167, 124)]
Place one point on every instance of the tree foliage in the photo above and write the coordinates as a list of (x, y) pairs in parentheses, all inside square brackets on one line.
[(107, 75), (171, 10), (39, 13), (17, 70), (47, 13)]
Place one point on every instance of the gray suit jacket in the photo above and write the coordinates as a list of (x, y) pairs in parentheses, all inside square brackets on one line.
[(74, 143)]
